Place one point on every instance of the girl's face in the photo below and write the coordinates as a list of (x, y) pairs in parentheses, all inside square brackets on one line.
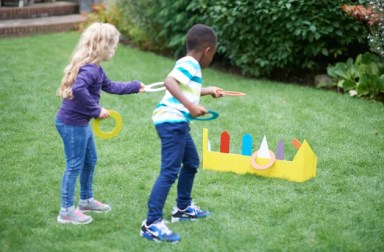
[(110, 52)]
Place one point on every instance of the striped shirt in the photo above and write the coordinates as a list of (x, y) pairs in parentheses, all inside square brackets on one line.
[(187, 72)]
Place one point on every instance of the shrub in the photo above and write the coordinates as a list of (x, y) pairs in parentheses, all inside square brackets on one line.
[(362, 77), (259, 37), (110, 13), (160, 25), (265, 37), (373, 15)]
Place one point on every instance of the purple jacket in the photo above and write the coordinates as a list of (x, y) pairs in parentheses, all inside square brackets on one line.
[(86, 89)]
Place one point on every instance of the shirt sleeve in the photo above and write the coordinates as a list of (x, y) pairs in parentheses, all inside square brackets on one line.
[(81, 92), (183, 72), (114, 87)]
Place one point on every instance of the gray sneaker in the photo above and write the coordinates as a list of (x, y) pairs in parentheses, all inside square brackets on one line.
[(94, 206), (73, 217)]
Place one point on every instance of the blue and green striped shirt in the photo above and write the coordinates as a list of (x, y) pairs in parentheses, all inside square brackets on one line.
[(187, 72)]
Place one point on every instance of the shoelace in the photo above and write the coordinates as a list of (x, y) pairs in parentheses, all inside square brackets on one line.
[(195, 207), (98, 203), (164, 228), (79, 214)]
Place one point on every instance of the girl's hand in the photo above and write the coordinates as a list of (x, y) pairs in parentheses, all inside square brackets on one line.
[(104, 113), (142, 86)]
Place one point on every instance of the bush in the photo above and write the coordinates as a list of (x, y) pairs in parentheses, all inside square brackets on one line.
[(286, 35), (160, 25), (373, 16), (362, 77), (261, 38), (107, 14)]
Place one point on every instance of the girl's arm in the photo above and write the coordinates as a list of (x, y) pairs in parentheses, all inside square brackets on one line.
[(115, 87), (85, 102)]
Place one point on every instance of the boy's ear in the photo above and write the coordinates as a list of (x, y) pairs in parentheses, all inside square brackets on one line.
[(207, 50)]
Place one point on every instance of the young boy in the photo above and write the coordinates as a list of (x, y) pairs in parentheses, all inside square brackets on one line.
[(179, 157)]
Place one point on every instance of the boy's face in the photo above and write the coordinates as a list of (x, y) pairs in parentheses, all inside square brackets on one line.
[(209, 52)]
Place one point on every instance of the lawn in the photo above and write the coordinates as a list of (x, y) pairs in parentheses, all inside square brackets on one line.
[(341, 209)]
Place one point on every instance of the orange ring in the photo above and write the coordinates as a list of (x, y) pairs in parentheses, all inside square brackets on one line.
[(265, 166), (231, 93)]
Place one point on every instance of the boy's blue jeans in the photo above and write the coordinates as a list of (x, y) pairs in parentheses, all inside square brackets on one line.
[(81, 157), (179, 158)]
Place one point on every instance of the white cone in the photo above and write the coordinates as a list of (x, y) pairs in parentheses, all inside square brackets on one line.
[(264, 150)]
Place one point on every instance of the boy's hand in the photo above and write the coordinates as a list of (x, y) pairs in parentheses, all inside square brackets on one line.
[(142, 87), (172, 86), (213, 91), (103, 113), (197, 110)]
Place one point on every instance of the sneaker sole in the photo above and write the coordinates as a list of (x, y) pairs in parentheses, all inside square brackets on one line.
[(149, 237), (174, 219), (95, 211), (61, 221)]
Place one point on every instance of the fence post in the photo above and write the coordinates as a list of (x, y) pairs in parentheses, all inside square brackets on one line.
[(280, 150), (224, 142), (246, 149)]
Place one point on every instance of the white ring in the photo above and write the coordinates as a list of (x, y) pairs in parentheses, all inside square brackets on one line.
[(151, 87)]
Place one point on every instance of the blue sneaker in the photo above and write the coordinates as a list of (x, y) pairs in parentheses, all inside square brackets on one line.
[(192, 213), (158, 232)]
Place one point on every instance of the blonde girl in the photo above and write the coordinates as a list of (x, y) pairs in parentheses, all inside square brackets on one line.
[(80, 91)]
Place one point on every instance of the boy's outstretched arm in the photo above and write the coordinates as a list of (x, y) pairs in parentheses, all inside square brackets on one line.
[(173, 87), (214, 91)]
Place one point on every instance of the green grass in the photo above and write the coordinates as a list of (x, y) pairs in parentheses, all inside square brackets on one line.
[(341, 209)]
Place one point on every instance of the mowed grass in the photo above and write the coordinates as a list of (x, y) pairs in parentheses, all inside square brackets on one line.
[(341, 209)]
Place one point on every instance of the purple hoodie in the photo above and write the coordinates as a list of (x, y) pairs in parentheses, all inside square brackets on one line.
[(86, 89)]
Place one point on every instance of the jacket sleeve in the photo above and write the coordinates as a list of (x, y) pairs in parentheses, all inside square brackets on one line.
[(87, 103), (114, 87)]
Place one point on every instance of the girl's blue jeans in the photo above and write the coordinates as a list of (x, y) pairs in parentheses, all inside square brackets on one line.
[(179, 158), (81, 158)]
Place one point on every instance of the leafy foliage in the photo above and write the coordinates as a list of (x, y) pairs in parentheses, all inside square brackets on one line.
[(373, 15), (107, 14), (364, 77), (161, 25), (259, 37)]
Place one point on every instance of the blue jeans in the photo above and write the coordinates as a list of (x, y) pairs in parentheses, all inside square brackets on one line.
[(81, 157), (179, 158)]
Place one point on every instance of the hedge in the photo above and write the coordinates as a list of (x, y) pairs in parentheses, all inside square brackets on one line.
[(262, 38)]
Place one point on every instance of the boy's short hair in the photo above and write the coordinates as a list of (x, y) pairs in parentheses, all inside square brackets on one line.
[(200, 36)]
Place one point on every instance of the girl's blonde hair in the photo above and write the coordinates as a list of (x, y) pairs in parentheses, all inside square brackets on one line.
[(97, 43)]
